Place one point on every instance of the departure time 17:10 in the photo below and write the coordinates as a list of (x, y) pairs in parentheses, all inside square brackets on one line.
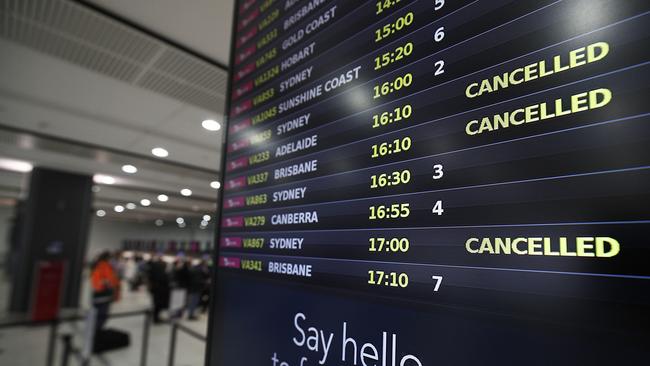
[(391, 279)]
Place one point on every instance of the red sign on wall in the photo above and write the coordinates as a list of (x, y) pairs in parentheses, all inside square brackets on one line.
[(48, 289)]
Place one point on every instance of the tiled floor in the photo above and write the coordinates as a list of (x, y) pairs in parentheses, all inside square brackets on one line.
[(26, 346)]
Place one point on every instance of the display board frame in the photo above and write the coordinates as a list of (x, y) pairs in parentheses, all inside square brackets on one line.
[(216, 309)]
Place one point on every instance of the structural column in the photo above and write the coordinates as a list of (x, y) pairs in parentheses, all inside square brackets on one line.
[(54, 232)]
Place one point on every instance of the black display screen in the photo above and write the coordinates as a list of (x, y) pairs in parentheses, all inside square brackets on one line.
[(436, 182)]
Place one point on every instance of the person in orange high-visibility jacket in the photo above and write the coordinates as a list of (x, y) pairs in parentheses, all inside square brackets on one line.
[(106, 288)]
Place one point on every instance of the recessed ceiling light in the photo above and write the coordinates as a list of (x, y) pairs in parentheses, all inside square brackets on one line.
[(119, 208), (160, 152), (16, 165), (103, 179), (129, 169), (186, 192), (145, 202), (101, 213), (215, 184), (131, 206), (182, 226), (159, 222), (163, 198), (180, 220), (206, 218), (204, 223), (211, 125)]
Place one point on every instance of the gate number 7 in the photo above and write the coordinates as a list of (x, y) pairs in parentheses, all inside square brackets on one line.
[(438, 282)]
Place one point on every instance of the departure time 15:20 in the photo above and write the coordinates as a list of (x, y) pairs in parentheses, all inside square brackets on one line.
[(388, 58)]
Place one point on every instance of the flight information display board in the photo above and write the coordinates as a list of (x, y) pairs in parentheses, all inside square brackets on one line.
[(436, 182)]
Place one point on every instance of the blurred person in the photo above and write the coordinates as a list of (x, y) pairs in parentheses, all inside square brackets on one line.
[(158, 281), (118, 262), (140, 272), (194, 290), (106, 288), (181, 277), (130, 273), (206, 276)]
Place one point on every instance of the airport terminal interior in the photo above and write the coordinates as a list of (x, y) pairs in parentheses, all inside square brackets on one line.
[(324, 182), (113, 95)]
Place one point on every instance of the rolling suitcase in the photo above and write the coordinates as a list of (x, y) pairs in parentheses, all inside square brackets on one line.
[(110, 339)]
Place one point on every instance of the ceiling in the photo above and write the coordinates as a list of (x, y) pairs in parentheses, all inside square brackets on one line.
[(200, 25), (83, 90)]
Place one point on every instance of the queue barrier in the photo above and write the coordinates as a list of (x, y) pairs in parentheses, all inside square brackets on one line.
[(176, 327), (68, 349)]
